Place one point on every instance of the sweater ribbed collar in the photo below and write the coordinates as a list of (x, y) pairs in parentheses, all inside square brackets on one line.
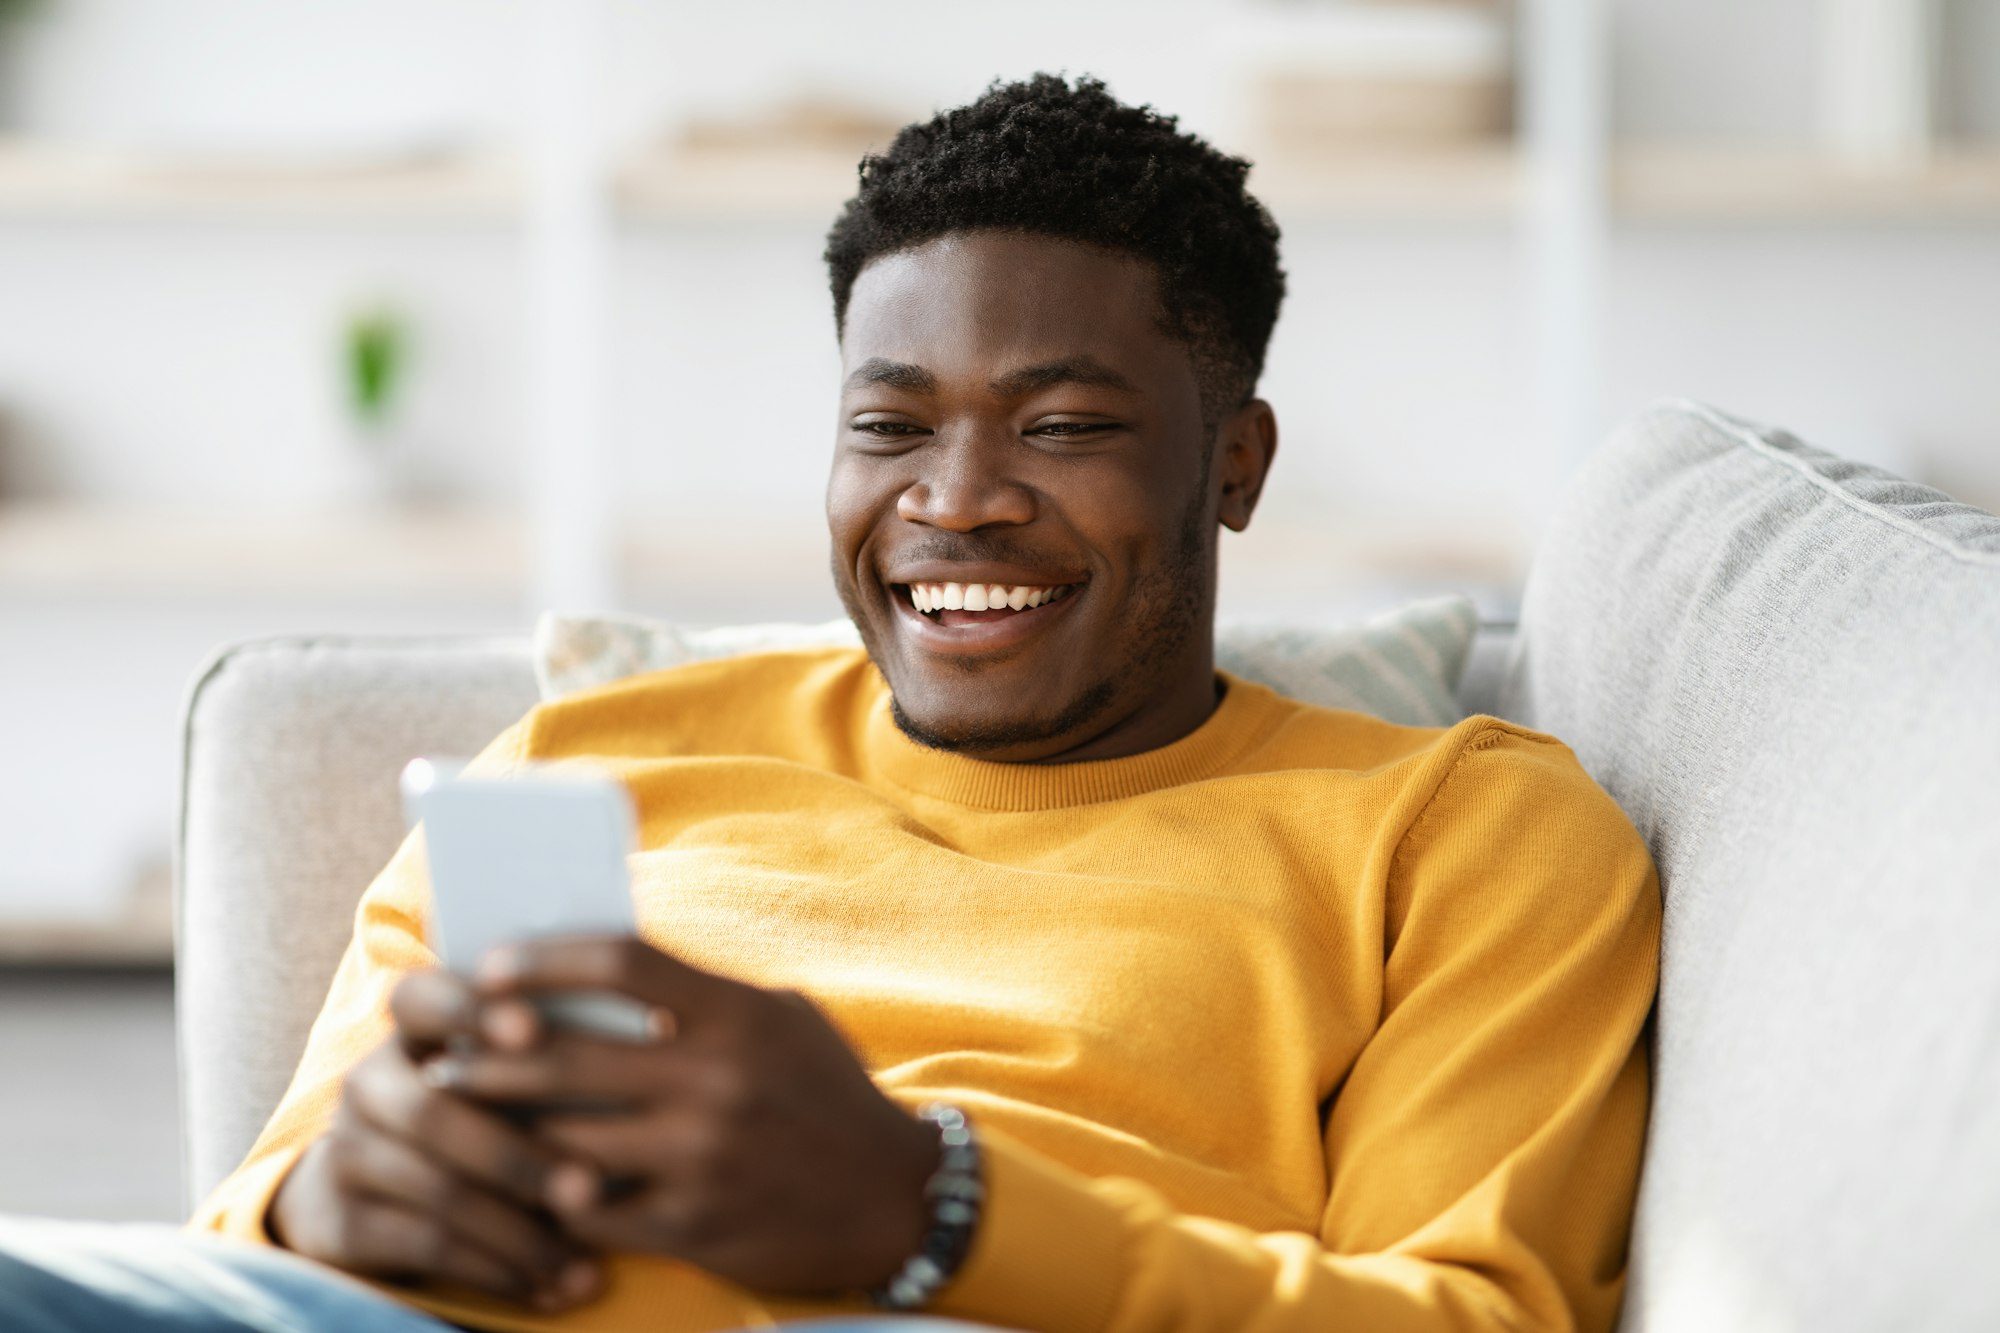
[(1247, 712)]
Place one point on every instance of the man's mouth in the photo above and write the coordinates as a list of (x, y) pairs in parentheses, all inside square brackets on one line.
[(978, 603)]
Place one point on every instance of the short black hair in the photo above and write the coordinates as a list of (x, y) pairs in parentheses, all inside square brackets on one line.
[(1075, 163)]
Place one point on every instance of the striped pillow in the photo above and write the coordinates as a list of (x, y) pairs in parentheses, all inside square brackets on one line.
[(1402, 666)]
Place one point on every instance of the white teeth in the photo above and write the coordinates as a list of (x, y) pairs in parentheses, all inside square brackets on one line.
[(980, 596)]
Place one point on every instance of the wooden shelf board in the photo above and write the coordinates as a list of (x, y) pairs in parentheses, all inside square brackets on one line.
[(1476, 183), (140, 934), (82, 549), (50, 182), (1649, 182), (1714, 184), (1479, 182)]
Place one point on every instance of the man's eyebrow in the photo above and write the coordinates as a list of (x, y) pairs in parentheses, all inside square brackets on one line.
[(892, 375), (1085, 370)]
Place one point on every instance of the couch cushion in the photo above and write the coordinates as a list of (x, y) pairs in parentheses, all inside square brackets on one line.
[(1787, 669)]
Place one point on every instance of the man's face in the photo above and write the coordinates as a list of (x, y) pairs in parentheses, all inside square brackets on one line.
[(1012, 416)]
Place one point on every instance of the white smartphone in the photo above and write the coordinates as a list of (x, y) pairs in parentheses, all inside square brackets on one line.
[(534, 854)]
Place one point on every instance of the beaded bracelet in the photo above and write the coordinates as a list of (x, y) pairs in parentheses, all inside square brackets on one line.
[(953, 1193)]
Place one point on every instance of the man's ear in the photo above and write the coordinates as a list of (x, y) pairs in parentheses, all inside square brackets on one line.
[(1245, 443)]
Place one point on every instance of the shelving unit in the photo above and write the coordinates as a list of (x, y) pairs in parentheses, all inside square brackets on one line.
[(1655, 182), (1560, 187), (1558, 190)]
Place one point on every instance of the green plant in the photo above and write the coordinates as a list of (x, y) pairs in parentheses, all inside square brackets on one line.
[(10, 10), (376, 344)]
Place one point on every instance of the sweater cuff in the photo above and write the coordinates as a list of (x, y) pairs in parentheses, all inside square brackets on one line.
[(1048, 1249), (241, 1206)]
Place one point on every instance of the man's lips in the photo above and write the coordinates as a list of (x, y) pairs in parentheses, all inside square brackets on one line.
[(984, 627)]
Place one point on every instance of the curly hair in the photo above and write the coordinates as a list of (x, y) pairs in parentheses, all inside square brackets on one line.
[(1074, 163)]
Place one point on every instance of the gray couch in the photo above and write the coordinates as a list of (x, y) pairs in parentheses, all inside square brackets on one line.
[(1785, 667)]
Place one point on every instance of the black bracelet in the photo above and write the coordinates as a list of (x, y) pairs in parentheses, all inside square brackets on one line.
[(953, 1195)]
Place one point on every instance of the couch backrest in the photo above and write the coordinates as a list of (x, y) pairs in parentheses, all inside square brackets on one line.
[(1786, 668), (289, 808)]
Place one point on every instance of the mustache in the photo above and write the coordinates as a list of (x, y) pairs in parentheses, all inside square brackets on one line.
[(965, 548)]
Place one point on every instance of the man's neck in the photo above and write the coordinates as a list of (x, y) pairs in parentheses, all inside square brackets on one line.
[(1161, 721)]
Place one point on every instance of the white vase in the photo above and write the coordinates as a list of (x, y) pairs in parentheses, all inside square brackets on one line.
[(1878, 77), (375, 468)]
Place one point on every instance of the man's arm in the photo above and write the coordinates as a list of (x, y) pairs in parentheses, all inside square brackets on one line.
[(1483, 1152)]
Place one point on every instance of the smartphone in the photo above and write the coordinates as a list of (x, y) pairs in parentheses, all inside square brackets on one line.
[(534, 854)]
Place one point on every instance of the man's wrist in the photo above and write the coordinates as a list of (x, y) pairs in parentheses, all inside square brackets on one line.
[(951, 1196)]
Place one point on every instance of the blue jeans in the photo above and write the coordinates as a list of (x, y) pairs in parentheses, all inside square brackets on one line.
[(81, 1277)]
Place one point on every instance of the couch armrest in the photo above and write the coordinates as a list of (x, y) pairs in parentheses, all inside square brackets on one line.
[(289, 807)]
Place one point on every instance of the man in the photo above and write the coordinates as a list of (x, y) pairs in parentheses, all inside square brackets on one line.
[(1246, 1013)]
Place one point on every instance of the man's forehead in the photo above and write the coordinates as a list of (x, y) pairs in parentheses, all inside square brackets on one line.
[(1006, 303)]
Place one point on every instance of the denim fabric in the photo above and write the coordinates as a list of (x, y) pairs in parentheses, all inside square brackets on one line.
[(77, 1277), (70, 1277)]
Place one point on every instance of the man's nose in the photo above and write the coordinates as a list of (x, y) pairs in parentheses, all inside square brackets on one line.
[(966, 486)]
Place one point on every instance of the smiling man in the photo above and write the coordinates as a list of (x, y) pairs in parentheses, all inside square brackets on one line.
[(1022, 967), (1026, 489)]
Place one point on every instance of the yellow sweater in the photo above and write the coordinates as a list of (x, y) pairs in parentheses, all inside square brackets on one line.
[(1305, 1021)]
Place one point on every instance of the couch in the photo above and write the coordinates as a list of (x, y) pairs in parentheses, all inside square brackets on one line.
[(1784, 666)]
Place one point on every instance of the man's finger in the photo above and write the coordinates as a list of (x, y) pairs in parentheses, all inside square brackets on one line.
[(377, 1166), (395, 1240), (662, 1145), (431, 1007), (657, 1220), (388, 1093), (620, 963), (570, 1068)]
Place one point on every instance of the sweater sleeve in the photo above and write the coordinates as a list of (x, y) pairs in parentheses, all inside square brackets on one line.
[(1483, 1152), (388, 942)]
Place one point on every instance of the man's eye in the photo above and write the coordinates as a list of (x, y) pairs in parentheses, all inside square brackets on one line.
[(1064, 430), (887, 430)]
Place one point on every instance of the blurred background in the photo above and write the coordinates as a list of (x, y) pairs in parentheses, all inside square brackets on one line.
[(424, 315)]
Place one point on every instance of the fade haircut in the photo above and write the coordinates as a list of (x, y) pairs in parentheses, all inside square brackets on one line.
[(1045, 158)]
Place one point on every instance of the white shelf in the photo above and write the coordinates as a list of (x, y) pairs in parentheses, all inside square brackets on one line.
[(1687, 183), (93, 549), (1476, 182), (1649, 182), (43, 182), (139, 934)]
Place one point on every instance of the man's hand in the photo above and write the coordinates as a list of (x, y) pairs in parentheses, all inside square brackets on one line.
[(414, 1182), (750, 1142)]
